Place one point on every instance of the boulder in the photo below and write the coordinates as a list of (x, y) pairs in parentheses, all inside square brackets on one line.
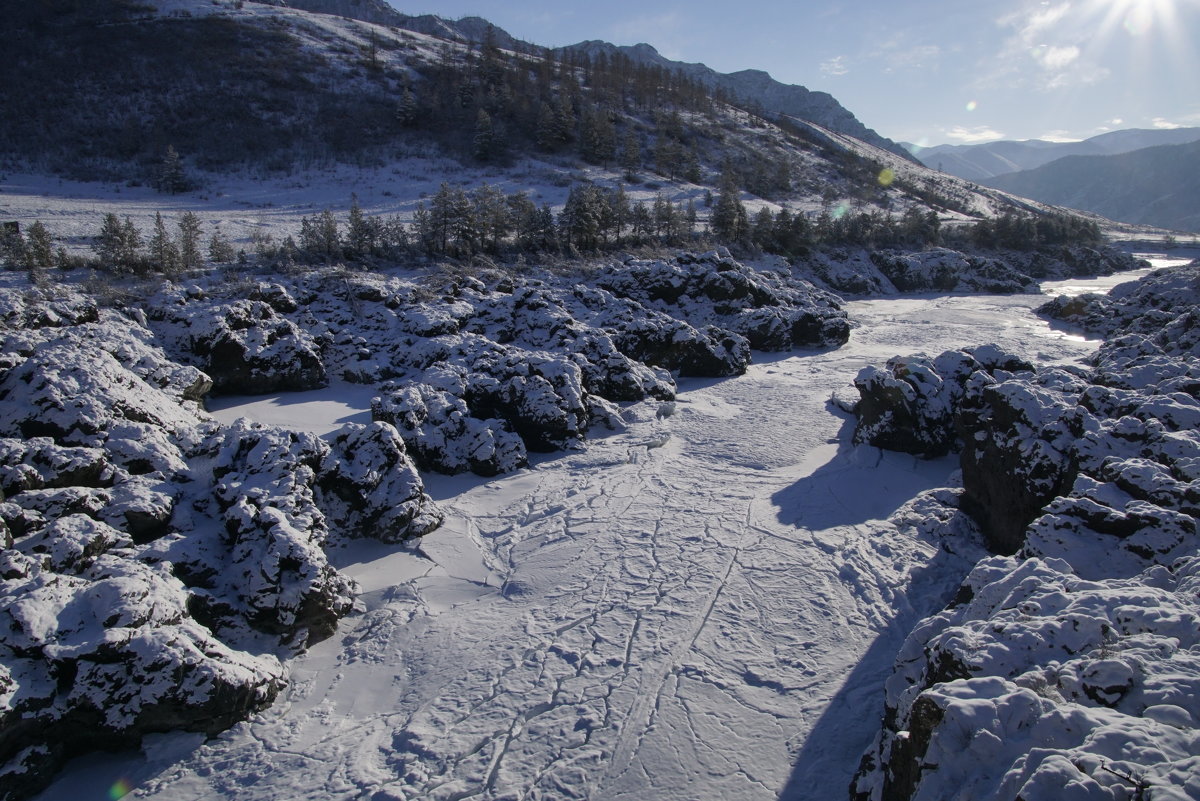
[(368, 487)]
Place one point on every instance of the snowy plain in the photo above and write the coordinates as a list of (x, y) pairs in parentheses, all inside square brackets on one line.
[(702, 606)]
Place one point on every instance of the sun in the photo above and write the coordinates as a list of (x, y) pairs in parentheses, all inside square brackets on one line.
[(1137, 17)]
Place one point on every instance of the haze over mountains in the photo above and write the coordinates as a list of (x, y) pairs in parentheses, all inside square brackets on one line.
[(1152, 186), (989, 159)]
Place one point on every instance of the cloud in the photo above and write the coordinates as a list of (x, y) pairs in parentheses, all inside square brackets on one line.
[(1165, 124), (971, 136), (1058, 136), (1056, 58), (1043, 49), (834, 66)]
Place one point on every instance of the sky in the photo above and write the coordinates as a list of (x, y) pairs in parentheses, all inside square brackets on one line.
[(931, 72)]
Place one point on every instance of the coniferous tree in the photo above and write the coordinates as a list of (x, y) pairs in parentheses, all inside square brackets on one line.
[(631, 154), (189, 241), (171, 177), (729, 220), (220, 251), (641, 223), (109, 242), (408, 112), (362, 234), (484, 146), (38, 253), (162, 251)]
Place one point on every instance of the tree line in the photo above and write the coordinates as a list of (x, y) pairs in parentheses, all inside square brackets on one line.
[(460, 223)]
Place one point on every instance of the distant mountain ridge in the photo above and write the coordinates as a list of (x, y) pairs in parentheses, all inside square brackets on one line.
[(755, 86), (759, 87), (983, 161), (1152, 186)]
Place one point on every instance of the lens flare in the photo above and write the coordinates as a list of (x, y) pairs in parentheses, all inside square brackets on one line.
[(886, 176), (120, 789), (841, 210), (972, 105)]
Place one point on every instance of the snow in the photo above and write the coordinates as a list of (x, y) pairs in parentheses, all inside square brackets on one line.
[(704, 605), (317, 411)]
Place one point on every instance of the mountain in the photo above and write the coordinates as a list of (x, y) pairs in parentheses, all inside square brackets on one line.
[(756, 87), (983, 161), (1151, 186), (753, 86), (271, 88)]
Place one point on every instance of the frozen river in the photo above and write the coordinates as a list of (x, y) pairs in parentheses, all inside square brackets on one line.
[(703, 606)]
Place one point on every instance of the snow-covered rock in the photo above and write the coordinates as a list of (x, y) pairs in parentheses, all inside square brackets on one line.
[(265, 491), (148, 557), (1068, 670), (441, 434), (246, 346), (370, 488), (890, 272)]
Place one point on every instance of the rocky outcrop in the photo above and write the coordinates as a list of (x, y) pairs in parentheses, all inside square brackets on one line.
[(369, 487), (771, 310), (912, 403), (148, 557), (247, 347), (890, 272), (1067, 669), (442, 435)]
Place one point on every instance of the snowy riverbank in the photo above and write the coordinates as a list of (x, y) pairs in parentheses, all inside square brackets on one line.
[(704, 605)]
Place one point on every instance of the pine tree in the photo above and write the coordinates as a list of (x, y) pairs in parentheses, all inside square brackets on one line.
[(171, 178), (409, 112), (547, 129), (189, 242), (729, 220), (163, 253), (485, 136), (319, 237), (109, 242), (641, 224), (131, 245), (39, 253), (631, 154), (362, 234), (220, 251)]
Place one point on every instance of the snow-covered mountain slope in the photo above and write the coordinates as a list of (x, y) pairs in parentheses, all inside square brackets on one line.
[(755, 87), (983, 161), (702, 604), (1151, 186)]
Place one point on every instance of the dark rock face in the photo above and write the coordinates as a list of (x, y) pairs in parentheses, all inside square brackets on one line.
[(1017, 455)]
